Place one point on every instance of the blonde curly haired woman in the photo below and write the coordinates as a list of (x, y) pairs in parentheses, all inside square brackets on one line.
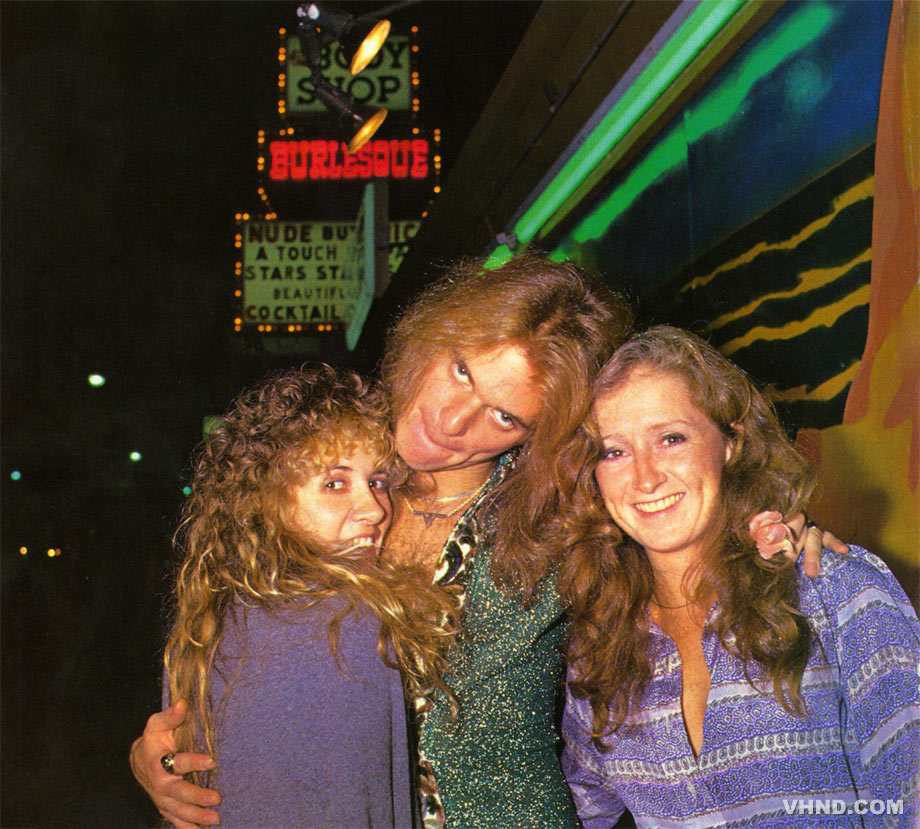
[(288, 633)]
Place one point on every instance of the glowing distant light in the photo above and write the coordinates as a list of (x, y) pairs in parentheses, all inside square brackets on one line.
[(15, 475), (186, 490), (96, 380), (53, 552), (135, 456), (23, 551)]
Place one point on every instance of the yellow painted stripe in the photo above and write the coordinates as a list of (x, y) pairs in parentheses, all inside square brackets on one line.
[(828, 390), (825, 316), (856, 193), (808, 281)]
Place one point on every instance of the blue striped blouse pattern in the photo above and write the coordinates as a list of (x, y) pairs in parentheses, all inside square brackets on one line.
[(858, 747)]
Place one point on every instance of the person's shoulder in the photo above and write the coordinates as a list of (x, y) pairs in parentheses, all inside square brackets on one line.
[(296, 638), (293, 623), (857, 580)]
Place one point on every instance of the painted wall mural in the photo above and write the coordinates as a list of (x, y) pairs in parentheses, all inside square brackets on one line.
[(787, 297), (869, 465), (778, 215)]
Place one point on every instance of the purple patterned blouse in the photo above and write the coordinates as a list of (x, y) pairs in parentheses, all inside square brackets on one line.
[(854, 760)]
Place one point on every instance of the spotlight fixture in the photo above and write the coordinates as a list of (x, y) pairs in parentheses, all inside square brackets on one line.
[(322, 24), (361, 38), (357, 122)]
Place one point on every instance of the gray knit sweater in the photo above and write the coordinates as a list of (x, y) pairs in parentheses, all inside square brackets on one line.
[(300, 740)]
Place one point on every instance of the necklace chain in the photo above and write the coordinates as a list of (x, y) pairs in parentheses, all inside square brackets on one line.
[(661, 606), (428, 516), (447, 498)]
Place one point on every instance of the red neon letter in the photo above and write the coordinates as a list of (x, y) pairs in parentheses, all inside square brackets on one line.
[(419, 158), (365, 156), (381, 159), (399, 169), (299, 157), (279, 168), (335, 169), (351, 163), (319, 168)]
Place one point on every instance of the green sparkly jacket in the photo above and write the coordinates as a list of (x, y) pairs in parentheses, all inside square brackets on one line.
[(496, 765)]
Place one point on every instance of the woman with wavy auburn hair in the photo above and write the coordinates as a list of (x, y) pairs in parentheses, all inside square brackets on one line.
[(708, 685), (287, 631)]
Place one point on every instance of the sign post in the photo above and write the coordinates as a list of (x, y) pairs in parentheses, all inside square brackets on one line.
[(368, 256)]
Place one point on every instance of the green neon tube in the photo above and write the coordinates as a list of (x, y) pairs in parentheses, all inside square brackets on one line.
[(498, 257), (692, 35), (712, 113)]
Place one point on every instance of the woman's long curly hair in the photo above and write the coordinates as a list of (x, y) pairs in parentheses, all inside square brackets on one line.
[(606, 579), (238, 540), (568, 322)]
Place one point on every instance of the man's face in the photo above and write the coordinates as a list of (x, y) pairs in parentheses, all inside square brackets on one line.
[(470, 408)]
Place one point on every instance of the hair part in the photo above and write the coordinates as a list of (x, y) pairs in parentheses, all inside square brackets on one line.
[(568, 322), (606, 579), (238, 541)]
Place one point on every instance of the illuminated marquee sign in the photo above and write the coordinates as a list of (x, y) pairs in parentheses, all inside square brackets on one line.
[(293, 273), (323, 159), (385, 82)]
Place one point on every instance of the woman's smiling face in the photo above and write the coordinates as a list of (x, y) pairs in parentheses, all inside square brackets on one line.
[(661, 471), (346, 504)]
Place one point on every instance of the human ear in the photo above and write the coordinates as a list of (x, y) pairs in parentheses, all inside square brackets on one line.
[(733, 442)]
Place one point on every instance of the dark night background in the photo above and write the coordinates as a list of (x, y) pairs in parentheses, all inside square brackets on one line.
[(128, 144)]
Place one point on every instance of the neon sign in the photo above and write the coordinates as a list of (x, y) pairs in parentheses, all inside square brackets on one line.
[(323, 159), (296, 273), (387, 81)]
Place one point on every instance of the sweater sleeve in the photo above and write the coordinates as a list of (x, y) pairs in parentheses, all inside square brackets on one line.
[(877, 638), (302, 738)]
